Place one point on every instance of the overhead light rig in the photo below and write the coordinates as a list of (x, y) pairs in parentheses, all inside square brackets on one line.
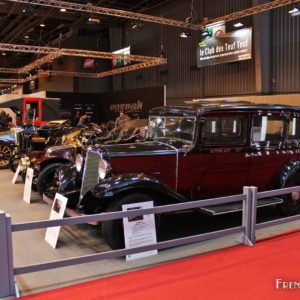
[(129, 68), (34, 65), (75, 52), (92, 9), (155, 19), (253, 10), (9, 70), (53, 53), (39, 62)]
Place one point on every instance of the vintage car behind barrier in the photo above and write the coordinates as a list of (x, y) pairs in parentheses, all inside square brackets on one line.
[(19, 140), (46, 162), (194, 151)]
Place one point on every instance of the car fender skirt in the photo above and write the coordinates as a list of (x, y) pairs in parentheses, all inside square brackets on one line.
[(116, 185)]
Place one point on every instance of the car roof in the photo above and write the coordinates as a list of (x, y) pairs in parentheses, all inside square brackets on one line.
[(198, 107)]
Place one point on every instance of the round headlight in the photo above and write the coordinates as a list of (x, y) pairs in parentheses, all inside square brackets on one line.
[(79, 162), (103, 168), (25, 162)]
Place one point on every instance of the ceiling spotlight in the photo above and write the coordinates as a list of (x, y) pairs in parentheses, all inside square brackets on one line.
[(26, 36), (136, 25), (205, 33), (294, 10), (63, 10), (185, 34), (93, 21), (238, 25), (42, 25)]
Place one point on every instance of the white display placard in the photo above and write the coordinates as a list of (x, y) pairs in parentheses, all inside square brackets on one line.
[(27, 186), (16, 173), (57, 212), (139, 231)]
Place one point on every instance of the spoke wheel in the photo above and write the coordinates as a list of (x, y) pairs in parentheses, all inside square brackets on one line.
[(14, 162), (5, 154)]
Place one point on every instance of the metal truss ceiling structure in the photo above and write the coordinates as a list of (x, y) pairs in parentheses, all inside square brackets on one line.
[(34, 65), (253, 10), (155, 19), (74, 52), (41, 74), (52, 53), (9, 70), (102, 74), (145, 61), (87, 8)]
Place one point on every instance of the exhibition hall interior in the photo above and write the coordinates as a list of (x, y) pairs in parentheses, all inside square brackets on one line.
[(149, 149)]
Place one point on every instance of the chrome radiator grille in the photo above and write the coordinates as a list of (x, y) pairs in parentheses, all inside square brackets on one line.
[(90, 172)]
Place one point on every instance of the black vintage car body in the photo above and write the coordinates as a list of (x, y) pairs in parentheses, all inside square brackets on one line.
[(194, 151), (47, 161), (22, 140)]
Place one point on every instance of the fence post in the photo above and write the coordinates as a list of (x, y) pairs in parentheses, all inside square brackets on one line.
[(7, 286), (253, 213), (247, 211)]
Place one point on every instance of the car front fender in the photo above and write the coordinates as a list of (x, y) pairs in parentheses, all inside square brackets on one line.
[(116, 185)]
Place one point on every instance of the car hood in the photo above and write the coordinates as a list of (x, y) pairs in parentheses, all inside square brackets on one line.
[(157, 147)]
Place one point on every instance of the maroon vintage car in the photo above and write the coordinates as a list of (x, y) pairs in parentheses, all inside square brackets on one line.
[(193, 151)]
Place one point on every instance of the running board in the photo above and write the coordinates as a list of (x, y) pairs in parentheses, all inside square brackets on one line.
[(237, 206)]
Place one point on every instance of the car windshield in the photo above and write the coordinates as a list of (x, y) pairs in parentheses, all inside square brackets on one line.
[(172, 127)]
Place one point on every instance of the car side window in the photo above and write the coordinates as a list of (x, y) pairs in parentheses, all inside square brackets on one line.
[(267, 129), (220, 130), (294, 129)]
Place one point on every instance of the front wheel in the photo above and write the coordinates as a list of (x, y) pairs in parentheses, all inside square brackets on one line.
[(14, 161), (113, 230), (5, 153), (45, 178)]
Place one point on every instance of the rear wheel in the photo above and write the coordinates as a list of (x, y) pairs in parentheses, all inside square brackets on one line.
[(291, 202), (113, 230), (45, 178), (5, 153)]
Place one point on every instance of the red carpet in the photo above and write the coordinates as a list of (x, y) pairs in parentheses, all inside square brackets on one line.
[(239, 272)]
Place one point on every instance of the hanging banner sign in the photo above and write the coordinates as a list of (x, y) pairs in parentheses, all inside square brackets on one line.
[(88, 63), (233, 46), (216, 29), (118, 58)]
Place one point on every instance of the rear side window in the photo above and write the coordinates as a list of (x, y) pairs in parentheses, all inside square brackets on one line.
[(223, 130), (267, 129), (294, 129)]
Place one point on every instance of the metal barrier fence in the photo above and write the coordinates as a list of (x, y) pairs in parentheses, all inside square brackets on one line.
[(248, 229)]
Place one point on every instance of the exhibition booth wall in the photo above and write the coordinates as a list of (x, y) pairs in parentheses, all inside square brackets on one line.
[(104, 107)]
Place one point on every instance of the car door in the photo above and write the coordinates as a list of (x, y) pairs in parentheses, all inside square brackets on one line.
[(224, 168), (268, 152)]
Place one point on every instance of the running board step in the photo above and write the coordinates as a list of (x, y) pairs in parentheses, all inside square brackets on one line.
[(237, 206)]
